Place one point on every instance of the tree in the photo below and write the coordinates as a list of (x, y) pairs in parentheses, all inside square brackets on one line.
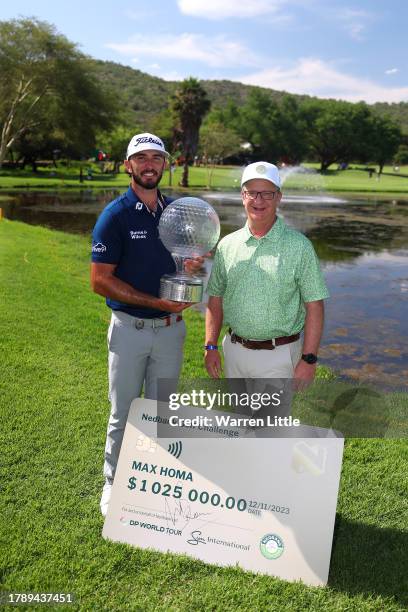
[(163, 124), (258, 119), (228, 116), (189, 104), (338, 131), (217, 142), (275, 130), (401, 156), (385, 139), (115, 143), (292, 131), (47, 86)]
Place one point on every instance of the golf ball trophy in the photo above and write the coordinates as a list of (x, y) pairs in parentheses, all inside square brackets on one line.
[(188, 227)]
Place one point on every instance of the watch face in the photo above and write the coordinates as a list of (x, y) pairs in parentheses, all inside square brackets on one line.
[(309, 358)]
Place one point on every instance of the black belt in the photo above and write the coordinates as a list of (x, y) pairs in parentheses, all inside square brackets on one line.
[(257, 345)]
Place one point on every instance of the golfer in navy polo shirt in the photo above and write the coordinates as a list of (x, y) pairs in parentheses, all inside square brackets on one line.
[(146, 333)]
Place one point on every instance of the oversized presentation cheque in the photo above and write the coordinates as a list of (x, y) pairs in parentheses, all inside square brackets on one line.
[(265, 504)]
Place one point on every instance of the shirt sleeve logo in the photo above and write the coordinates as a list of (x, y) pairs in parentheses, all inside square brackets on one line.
[(98, 248)]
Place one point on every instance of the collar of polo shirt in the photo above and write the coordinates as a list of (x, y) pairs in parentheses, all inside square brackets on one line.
[(274, 233)]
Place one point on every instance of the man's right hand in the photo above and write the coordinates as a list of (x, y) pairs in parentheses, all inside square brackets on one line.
[(170, 306), (213, 363)]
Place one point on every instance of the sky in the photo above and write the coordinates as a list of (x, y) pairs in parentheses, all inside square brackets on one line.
[(326, 48)]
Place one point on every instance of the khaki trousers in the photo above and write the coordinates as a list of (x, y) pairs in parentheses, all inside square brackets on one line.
[(241, 362), (262, 371)]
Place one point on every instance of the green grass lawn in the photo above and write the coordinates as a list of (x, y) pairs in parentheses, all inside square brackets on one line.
[(355, 179), (54, 413)]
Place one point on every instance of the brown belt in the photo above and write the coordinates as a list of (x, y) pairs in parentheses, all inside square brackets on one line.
[(257, 345), (169, 321)]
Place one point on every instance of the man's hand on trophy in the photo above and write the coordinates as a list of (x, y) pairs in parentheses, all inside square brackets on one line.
[(170, 306), (194, 265)]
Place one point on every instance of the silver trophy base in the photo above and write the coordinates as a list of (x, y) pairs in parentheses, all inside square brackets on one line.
[(181, 288)]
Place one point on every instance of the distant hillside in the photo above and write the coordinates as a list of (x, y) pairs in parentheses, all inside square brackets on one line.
[(141, 96)]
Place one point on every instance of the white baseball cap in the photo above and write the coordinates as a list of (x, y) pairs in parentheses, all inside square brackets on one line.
[(145, 142), (261, 170)]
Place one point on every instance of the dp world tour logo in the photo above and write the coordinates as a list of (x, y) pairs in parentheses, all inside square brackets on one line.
[(271, 546), (175, 449)]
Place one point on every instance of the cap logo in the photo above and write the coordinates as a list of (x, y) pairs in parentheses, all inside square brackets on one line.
[(261, 169), (143, 139)]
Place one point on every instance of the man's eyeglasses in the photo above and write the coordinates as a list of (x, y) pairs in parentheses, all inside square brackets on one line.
[(265, 195)]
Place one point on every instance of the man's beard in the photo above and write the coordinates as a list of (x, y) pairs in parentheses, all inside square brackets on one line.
[(150, 183)]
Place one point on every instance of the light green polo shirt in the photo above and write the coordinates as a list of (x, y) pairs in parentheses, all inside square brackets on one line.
[(265, 282)]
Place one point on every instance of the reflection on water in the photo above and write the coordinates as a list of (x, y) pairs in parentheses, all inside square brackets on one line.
[(363, 247), (366, 331), (73, 211)]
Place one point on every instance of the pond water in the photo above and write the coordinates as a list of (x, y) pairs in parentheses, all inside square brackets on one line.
[(363, 247)]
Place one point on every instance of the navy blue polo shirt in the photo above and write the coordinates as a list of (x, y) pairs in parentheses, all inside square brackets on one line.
[(126, 234)]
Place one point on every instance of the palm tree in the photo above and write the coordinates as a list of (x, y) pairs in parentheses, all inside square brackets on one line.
[(189, 104)]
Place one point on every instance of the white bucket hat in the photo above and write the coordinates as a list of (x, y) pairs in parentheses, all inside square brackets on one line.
[(261, 170), (145, 142)]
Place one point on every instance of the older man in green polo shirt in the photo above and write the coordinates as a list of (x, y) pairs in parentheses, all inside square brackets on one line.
[(267, 286)]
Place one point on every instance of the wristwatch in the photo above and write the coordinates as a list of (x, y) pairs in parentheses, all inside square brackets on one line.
[(310, 358)]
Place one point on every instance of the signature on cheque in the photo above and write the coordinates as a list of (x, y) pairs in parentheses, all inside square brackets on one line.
[(181, 513)]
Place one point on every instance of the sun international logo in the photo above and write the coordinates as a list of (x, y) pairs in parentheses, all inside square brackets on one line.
[(260, 169), (271, 546)]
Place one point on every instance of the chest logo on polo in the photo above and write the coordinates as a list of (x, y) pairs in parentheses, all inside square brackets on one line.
[(139, 206), (138, 234)]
